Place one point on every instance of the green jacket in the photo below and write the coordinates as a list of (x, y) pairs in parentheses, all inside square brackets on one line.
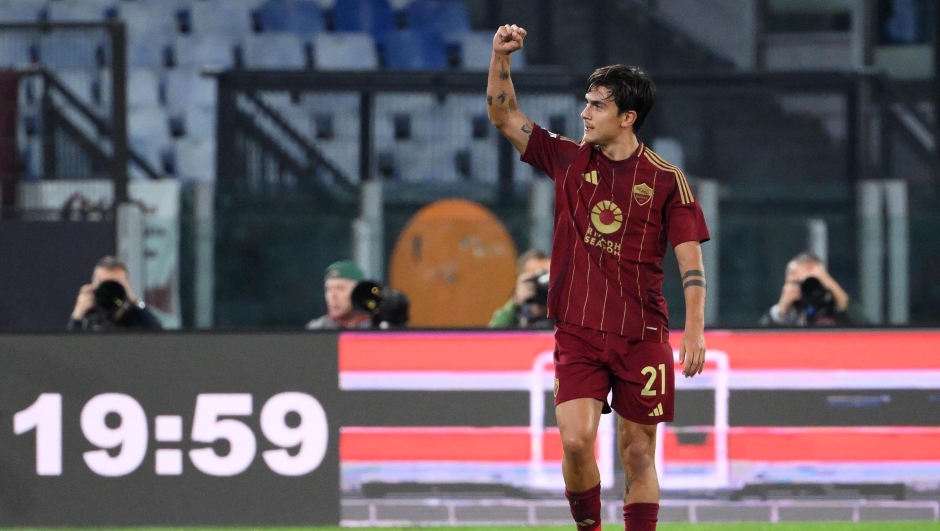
[(504, 317)]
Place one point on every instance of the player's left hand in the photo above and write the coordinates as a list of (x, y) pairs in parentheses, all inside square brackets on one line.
[(692, 353)]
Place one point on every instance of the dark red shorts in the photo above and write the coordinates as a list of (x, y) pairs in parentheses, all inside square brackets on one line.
[(590, 363)]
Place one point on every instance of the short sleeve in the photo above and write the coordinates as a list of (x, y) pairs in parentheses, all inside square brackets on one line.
[(685, 221), (546, 150)]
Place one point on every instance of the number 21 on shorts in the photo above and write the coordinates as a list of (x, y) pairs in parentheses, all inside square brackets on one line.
[(651, 371)]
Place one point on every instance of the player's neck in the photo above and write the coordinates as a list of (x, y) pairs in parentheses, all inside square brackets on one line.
[(620, 149)]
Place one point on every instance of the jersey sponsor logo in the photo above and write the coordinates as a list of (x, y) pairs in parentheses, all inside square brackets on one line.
[(598, 240), (607, 217), (591, 177), (642, 193)]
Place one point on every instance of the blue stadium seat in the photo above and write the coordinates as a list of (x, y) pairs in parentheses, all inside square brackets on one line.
[(373, 16), (70, 50), (274, 51), (447, 18), (414, 49), (22, 11), (71, 11), (219, 16), (344, 51), (296, 16), (15, 50)]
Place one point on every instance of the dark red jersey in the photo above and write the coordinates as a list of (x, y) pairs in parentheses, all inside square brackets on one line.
[(612, 222)]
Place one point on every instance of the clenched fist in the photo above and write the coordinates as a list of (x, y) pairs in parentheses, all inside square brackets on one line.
[(508, 39)]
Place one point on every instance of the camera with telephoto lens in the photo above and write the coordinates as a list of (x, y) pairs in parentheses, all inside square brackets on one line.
[(111, 309), (540, 281), (388, 307), (816, 302), (533, 311)]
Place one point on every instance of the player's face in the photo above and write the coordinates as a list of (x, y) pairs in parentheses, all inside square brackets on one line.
[(602, 121), (338, 297)]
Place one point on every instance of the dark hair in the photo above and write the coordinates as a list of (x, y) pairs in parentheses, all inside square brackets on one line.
[(111, 262), (629, 87)]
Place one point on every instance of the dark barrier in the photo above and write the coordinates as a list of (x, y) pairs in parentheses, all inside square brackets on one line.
[(169, 429), (42, 266)]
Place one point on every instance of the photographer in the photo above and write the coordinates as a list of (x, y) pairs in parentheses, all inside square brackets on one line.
[(528, 306), (109, 303), (810, 297), (352, 302)]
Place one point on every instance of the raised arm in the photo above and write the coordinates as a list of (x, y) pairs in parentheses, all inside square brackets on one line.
[(501, 105), (692, 348)]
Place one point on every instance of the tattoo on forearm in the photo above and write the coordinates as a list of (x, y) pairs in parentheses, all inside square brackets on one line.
[(502, 98), (695, 282), (527, 129), (512, 105), (693, 273), (627, 483), (504, 75), (489, 100)]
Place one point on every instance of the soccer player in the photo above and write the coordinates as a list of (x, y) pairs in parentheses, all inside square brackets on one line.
[(616, 205)]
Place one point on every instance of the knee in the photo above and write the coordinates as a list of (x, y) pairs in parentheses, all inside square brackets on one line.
[(577, 445), (636, 455)]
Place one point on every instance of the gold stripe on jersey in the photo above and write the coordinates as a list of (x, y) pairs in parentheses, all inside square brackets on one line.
[(685, 191)]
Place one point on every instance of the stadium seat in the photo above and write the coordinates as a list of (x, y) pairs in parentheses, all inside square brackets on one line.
[(413, 49), (149, 51), (446, 18), (344, 51), (302, 17), (69, 49), (143, 88), (476, 48), (187, 88), (274, 50), (373, 16), (204, 51), (223, 17), (21, 10), (15, 50), (149, 18), (199, 122), (148, 133), (73, 11)]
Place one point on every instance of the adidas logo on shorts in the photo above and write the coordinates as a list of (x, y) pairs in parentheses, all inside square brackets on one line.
[(657, 411)]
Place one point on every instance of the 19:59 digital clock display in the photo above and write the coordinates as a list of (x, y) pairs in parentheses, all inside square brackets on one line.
[(117, 425)]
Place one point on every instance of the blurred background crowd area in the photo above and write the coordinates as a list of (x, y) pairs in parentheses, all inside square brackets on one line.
[(263, 140)]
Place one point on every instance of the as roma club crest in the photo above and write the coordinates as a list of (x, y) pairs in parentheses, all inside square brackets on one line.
[(642, 193)]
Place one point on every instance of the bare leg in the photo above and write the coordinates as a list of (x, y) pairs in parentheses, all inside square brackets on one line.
[(637, 446), (577, 421)]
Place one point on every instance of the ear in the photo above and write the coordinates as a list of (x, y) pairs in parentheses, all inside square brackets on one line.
[(627, 119)]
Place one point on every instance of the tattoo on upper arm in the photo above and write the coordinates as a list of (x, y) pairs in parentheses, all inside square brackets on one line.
[(693, 273), (489, 100), (527, 128), (695, 282)]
